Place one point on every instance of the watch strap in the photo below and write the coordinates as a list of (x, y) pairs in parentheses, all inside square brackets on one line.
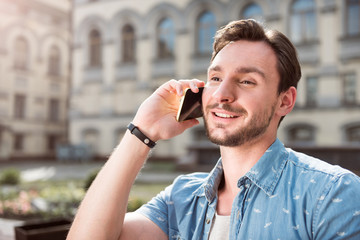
[(141, 136)]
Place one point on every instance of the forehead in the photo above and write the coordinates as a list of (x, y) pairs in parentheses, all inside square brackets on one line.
[(246, 54)]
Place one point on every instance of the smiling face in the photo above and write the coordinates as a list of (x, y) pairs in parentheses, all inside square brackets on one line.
[(240, 98)]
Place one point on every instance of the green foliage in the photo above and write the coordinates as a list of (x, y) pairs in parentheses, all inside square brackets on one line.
[(90, 178), (51, 201), (134, 203), (54, 199), (10, 176)]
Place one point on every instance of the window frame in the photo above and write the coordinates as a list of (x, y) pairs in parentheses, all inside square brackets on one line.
[(19, 106), (164, 48), (205, 31), (304, 34), (128, 44), (21, 53), (95, 48), (345, 90), (54, 61), (349, 5)]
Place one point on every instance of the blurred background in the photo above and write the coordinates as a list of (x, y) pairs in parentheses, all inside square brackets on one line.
[(73, 73)]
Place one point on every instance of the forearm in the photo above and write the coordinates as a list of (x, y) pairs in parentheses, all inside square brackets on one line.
[(102, 211), (101, 214)]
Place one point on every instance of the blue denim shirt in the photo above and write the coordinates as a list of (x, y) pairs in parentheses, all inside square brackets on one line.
[(286, 195)]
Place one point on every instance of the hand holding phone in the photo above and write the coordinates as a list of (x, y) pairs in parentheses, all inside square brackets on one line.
[(190, 105)]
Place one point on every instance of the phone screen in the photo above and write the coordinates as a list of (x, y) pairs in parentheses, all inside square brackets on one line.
[(190, 105)]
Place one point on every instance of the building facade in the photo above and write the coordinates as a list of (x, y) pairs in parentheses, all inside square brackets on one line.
[(123, 50), (34, 76)]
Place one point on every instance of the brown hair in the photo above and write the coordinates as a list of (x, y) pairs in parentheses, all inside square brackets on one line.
[(287, 62)]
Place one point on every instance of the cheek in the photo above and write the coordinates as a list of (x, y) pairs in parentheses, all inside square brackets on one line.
[(206, 96), (257, 103)]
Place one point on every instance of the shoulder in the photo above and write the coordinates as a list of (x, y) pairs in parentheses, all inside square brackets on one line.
[(315, 165), (322, 176), (332, 191), (189, 182)]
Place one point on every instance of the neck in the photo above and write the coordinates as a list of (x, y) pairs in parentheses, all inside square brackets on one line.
[(237, 161)]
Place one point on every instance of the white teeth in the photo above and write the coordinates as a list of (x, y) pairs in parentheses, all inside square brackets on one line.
[(223, 115)]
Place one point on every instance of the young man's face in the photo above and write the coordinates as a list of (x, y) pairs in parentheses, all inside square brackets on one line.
[(240, 97)]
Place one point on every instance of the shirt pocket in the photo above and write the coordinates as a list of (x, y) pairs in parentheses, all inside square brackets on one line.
[(174, 235)]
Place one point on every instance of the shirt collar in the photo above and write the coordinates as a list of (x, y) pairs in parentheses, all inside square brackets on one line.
[(210, 187), (267, 171)]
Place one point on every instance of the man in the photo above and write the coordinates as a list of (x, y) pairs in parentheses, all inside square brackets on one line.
[(258, 189)]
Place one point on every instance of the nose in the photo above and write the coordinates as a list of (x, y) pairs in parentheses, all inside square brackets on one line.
[(224, 92)]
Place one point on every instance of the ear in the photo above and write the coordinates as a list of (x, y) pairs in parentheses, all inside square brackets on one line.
[(286, 101)]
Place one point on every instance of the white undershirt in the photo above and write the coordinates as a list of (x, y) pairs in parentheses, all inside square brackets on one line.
[(220, 228)]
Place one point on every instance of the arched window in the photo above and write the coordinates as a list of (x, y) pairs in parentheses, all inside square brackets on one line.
[(303, 21), (128, 46), (166, 38), (54, 61), (21, 56), (353, 17), (253, 11), (95, 51), (301, 134), (205, 29)]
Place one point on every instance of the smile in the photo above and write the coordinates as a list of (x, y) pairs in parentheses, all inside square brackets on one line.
[(223, 115)]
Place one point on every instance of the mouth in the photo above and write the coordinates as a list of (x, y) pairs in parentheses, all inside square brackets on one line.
[(224, 115), (225, 112)]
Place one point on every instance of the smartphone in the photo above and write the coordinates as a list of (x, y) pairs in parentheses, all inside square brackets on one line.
[(190, 105)]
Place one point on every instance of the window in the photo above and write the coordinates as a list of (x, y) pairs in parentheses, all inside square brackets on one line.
[(353, 134), (206, 29), (353, 17), (301, 135), (18, 141), (349, 89), (166, 38), (54, 110), (253, 11), (95, 48), (311, 91), (21, 57), (303, 21), (19, 106), (128, 43), (54, 61), (51, 142)]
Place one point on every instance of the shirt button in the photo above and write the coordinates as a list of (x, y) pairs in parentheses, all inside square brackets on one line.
[(208, 221)]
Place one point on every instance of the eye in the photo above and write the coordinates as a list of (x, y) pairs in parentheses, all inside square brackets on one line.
[(215, 79), (247, 82)]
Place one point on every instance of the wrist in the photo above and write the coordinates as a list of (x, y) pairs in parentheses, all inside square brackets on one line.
[(134, 130)]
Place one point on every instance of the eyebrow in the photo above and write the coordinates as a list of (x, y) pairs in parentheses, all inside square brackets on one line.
[(217, 68), (250, 70)]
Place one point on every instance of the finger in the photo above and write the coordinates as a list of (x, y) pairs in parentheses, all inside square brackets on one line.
[(176, 87), (193, 84)]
